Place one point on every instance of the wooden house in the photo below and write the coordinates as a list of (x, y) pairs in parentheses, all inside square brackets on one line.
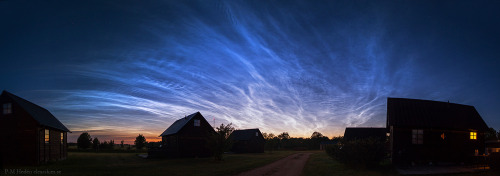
[(30, 134), (186, 137), (424, 132), (247, 141), (353, 133)]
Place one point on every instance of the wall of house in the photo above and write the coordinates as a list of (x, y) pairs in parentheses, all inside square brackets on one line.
[(193, 140), (17, 136), (455, 147)]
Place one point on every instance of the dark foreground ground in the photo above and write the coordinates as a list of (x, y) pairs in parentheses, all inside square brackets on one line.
[(122, 164)]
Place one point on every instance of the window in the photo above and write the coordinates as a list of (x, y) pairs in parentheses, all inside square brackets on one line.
[(7, 108), (473, 135), (62, 138), (417, 136), (47, 136), (256, 133), (196, 122)]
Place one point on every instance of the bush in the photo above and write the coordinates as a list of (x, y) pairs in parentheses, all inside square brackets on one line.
[(494, 161), (360, 154)]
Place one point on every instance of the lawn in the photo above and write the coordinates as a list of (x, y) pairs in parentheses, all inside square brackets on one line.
[(86, 163), (321, 164)]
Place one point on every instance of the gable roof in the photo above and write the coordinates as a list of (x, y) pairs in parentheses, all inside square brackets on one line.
[(402, 112), (352, 133), (41, 115), (178, 124), (245, 134)]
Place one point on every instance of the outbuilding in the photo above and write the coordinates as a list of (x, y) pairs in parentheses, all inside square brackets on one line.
[(247, 141)]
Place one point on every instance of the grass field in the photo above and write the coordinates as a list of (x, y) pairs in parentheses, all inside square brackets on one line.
[(85, 163), (321, 164)]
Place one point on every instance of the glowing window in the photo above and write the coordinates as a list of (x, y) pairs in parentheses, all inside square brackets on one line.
[(47, 136), (417, 136), (196, 122), (7, 108), (473, 135), (62, 138)]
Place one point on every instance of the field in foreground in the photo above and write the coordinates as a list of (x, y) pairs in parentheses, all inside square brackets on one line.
[(83, 163), (321, 164)]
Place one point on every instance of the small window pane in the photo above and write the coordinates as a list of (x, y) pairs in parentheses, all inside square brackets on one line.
[(7, 108), (62, 138), (47, 136), (196, 122)]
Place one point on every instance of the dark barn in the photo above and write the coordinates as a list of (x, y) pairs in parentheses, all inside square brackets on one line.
[(423, 131), (247, 141), (353, 133), (30, 134), (186, 137)]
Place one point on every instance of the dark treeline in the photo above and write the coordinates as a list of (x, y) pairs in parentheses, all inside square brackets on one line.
[(283, 141), (86, 143)]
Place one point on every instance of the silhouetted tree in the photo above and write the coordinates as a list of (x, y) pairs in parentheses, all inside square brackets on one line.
[(316, 139), (121, 144), (84, 141), (284, 135), (95, 144), (283, 139), (140, 141), (491, 134), (219, 142), (271, 141)]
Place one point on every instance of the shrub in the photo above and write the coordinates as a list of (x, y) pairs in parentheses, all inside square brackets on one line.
[(494, 161), (360, 153)]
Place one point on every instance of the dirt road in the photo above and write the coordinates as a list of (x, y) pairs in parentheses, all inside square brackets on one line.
[(290, 166)]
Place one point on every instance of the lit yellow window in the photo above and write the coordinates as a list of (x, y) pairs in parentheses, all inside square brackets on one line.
[(62, 138), (47, 135), (473, 135)]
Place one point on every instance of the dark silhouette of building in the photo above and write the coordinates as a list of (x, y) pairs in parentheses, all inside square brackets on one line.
[(29, 134), (247, 141), (353, 133), (186, 137), (423, 131)]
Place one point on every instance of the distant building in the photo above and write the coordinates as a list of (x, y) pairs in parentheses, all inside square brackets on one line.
[(247, 141), (324, 144), (353, 133), (423, 131), (492, 146), (29, 134), (186, 137)]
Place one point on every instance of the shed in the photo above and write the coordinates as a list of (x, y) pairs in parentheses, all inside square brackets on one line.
[(353, 133), (247, 141)]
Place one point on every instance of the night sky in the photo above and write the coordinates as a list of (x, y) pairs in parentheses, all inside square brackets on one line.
[(120, 68)]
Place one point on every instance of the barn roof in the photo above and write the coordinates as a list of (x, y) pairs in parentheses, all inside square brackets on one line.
[(41, 115), (364, 132), (414, 113), (178, 124), (246, 134)]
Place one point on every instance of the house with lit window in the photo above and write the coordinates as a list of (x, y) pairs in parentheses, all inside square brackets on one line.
[(247, 141), (425, 132), (186, 137), (30, 134)]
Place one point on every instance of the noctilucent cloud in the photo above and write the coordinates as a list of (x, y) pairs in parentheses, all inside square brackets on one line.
[(121, 68)]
